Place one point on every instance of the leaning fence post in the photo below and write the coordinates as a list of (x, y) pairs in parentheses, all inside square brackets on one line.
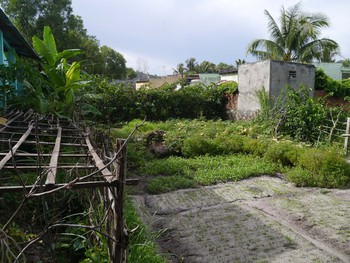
[(347, 131), (121, 233)]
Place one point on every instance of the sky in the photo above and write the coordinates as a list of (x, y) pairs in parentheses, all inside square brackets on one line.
[(156, 35)]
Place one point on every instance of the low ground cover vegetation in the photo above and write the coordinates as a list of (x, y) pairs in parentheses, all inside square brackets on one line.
[(204, 152)]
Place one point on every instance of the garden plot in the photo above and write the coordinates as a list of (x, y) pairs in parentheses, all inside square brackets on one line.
[(262, 219)]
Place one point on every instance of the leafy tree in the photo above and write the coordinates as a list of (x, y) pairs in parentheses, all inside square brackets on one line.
[(113, 63), (191, 65), (240, 62), (223, 66), (130, 73), (180, 69), (206, 67), (296, 39), (346, 63), (31, 16)]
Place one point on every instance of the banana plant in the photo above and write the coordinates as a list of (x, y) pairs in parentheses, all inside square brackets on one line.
[(64, 78)]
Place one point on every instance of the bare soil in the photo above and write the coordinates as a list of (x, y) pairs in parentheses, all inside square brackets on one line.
[(263, 219)]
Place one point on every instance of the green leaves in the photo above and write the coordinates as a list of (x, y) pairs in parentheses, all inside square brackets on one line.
[(64, 78), (296, 38)]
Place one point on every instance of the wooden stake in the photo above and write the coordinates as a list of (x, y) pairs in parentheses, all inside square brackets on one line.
[(347, 131)]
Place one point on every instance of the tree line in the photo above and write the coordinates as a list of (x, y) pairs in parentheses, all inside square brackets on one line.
[(31, 16)]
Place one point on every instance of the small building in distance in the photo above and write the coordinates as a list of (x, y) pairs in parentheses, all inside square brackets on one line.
[(335, 70), (273, 76)]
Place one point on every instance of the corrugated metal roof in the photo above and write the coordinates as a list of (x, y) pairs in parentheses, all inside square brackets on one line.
[(15, 38)]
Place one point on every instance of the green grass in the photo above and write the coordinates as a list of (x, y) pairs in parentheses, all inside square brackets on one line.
[(178, 173), (142, 247), (220, 151)]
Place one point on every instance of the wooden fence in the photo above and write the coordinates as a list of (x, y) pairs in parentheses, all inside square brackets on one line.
[(27, 136)]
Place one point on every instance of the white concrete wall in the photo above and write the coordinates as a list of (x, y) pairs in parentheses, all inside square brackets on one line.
[(233, 77), (251, 78), (273, 76)]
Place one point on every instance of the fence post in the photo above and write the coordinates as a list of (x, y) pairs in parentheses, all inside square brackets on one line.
[(121, 233), (115, 198), (347, 131)]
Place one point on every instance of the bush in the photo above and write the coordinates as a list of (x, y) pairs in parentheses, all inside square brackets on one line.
[(300, 116), (256, 147), (284, 153), (326, 168), (115, 103), (337, 88)]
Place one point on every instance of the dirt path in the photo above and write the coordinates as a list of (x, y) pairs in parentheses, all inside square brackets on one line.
[(257, 220)]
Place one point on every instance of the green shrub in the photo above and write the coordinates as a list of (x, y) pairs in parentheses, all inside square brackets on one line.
[(228, 87), (256, 147), (327, 167), (302, 177), (115, 103), (197, 145), (284, 153), (337, 88), (300, 116)]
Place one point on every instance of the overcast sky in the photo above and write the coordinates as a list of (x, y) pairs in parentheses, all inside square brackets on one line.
[(163, 33)]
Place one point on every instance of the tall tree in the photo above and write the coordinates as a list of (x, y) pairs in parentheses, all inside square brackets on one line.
[(114, 63), (31, 16), (180, 69), (240, 62), (191, 65), (206, 67), (296, 39)]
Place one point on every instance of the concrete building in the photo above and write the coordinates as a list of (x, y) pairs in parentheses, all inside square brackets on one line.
[(334, 69), (273, 76)]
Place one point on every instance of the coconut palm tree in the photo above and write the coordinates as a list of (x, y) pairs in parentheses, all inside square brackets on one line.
[(240, 62), (191, 65), (180, 69), (296, 38), (206, 67)]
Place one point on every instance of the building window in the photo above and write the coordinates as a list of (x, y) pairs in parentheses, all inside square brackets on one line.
[(292, 74)]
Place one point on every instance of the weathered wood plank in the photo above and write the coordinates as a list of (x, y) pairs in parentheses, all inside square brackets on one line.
[(50, 143), (51, 175), (32, 167), (49, 154), (98, 162), (79, 185), (8, 156)]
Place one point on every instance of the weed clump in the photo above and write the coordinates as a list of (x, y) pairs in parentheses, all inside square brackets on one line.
[(284, 153), (321, 168)]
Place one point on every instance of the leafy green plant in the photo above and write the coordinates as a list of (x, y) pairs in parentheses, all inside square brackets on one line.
[(298, 115), (64, 79), (8, 76)]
